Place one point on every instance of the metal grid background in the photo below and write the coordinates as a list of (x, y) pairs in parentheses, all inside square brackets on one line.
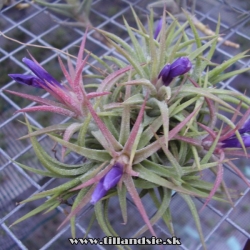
[(224, 227)]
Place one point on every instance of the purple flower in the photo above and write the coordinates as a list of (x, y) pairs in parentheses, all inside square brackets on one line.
[(28, 80), (165, 73), (43, 78), (113, 176), (158, 28), (40, 72), (233, 142), (179, 67), (99, 192), (107, 182), (245, 128)]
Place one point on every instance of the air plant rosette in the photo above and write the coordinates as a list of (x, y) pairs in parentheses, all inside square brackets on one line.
[(150, 127)]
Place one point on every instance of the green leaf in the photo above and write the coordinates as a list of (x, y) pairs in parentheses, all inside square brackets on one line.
[(121, 192), (39, 172), (199, 51), (137, 47), (161, 206), (77, 201), (195, 214), (100, 218), (94, 154), (35, 211), (225, 76), (53, 128), (209, 153), (149, 176), (213, 74), (205, 93), (161, 170), (55, 191), (165, 119)]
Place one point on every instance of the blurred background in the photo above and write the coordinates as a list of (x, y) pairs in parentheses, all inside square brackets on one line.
[(224, 227)]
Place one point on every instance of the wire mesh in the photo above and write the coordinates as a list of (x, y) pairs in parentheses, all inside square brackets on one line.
[(224, 227)]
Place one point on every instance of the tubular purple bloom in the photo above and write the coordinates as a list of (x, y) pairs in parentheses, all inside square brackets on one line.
[(158, 28), (99, 192), (113, 176), (180, 66), (28, 80), (107, 182), (234, 142), (41, 73), (164, 74), (165, 71), (245, 128)]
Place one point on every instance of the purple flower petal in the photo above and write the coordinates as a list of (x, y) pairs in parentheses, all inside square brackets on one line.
[(164, 74), (165, 71), (98, 193), (113, 176), (158, 28), (28, 80), (179, 67), (245, 128), (234, 142), (41, 73)]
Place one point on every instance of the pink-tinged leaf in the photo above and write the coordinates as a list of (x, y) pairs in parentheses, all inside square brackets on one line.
[(77, 83), (177, 128), (60, 94), (233, 119), (141, 82), (71, 68), (82, 204), (33, 59), (209, 130), (68, 99), (37, 99), (238, 172), (96, 178), (229, 151), (113, 105), (68, 133), (236, 114), (144, 153), (217, 183), (58, 110), (128, 181), (81, 50), (96, 94), (129, 144), (191, 141), (112, 78), (112, 142), (239, 125), (125, 122), (228, 134), (65, 72), (53, 91)]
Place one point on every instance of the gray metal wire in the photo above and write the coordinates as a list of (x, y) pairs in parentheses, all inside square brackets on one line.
[(224, 227)]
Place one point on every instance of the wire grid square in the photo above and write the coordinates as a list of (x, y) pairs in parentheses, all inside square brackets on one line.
[(35, 25)]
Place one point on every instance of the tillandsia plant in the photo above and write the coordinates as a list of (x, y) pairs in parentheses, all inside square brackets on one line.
[(149, 128)]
